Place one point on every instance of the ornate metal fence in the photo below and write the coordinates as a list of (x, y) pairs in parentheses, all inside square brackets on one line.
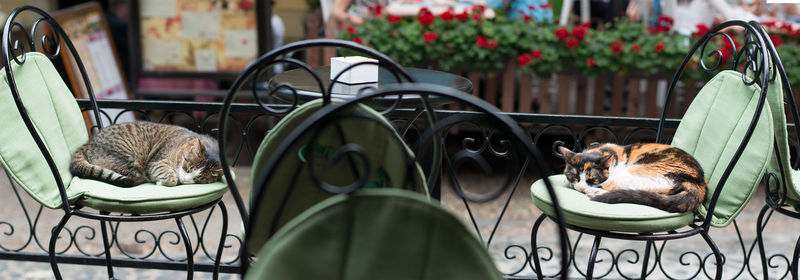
[(504, 223)]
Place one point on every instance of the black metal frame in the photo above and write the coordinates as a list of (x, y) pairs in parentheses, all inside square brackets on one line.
[(753, 48), (51, 46), (429, 142), (261, 69), (776, 186)]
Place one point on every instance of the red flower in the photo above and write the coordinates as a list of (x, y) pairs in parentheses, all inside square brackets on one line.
[(659, 47), (376, 9), (725, 55), (579, 32), (769, 23), (590, 62), (394, 19), (586, 25), (561, 33), (493, 43), (531, 7), (351, 29), (446, 15), (636, 48), (358, 40), (339, 26), (536, 54), (476, 17), (481, 41), (463, 16), (523, 60), (652, 29), (776, 40), (478, 9), (665, 20), (728, 45), (702, 29), (429, 37), (425, 16), (786, 26), (526, 18), (546, 6), (572, 43), (616, 46)]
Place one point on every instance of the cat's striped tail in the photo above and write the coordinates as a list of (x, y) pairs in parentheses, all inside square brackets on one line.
[(81, 167), (682, 201)]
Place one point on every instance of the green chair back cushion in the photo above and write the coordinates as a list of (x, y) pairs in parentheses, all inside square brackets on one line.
[(56, 117), (713, 128), (374, 234), (781, 165), (289, 190)]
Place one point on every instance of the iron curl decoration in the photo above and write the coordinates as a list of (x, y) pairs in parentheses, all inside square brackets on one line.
[(46, 38)]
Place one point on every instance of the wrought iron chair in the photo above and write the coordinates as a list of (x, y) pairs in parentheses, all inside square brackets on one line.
[(295, 104), (782, 193), (727, 128), (389, 233), (44, 126)]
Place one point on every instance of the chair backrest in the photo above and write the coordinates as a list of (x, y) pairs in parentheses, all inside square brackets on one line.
[(292, 187), (728, 126), (255, 78), (374, 234), (502, 137), (48, 120)]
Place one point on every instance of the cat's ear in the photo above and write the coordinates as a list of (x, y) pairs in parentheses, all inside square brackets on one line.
[(200, 147), (609, 159), (565, 152)]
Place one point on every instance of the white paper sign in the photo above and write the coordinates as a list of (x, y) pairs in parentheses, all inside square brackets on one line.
[(205, 60), (162, 52), (103, 61), (201, 25), (241, 43), (158, 8)]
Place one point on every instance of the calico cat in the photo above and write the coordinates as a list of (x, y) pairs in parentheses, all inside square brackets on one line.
[(130, 154), (652, 174)]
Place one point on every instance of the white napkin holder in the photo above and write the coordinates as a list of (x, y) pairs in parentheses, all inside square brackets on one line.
[(364, 73)]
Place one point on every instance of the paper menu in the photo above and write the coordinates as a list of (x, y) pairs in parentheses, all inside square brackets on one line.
[(158, 8), (201, 25), (205, 60), (241, 43), (162, 52)]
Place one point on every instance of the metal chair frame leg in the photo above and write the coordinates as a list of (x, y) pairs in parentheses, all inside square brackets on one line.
[(52, 247), (593, 257), (534, 250), (646, 259), (717, 254), (188, 244), (221, 245), (795, 257), (760, 240), (107, 248)]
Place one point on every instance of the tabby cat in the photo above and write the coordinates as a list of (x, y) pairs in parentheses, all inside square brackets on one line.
[(130, 154), (652, 174)]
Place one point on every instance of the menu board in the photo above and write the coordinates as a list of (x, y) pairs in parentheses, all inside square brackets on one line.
[(86, 27), (197, 35)]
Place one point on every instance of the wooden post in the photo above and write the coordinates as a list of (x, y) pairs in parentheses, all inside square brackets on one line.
[(634, 94), (526, 93), (617, 95), (651, 95), (564, 90), (490, 90), (599, 95), (507, 95), (544, 96)]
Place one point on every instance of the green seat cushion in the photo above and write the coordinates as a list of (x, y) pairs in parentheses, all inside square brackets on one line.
[(713, 128), (289, 189), (56, 117), (145, 198), (579, 210), (374, 234)]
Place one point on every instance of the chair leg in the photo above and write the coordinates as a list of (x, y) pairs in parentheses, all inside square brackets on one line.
[(593, 257), (224, 233), (534, 251), (717, 254), (795, 256), (52, 248), (646, 259), (107, 248), (760, 240), (188, 244)]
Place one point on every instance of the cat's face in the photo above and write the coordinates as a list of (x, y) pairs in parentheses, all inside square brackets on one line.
[(201, 163), (585, 169)]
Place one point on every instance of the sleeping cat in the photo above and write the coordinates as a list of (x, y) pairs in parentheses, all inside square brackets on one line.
[(130, 154), (656, 175)]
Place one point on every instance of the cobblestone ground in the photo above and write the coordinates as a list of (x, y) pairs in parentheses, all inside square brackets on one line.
[(515, 229)]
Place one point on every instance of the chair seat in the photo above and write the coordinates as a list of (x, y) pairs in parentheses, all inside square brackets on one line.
[(579, 210), (143, 199)]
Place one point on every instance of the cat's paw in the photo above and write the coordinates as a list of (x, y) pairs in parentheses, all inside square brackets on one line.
[(167, 182), (594, 192)]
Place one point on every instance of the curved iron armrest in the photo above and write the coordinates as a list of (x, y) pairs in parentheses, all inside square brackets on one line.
[(430, 141), (262, 69), (50, 44)]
